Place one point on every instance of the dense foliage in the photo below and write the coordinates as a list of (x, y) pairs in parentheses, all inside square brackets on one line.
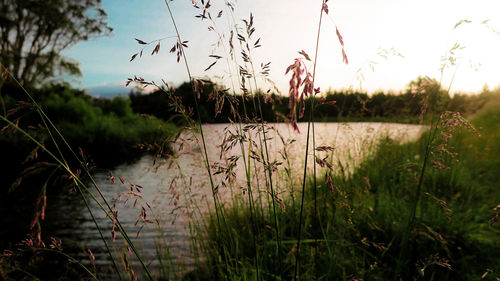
[(105, 132), (421, 97), (33, 33)]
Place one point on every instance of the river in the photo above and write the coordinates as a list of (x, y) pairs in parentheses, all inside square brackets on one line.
[(174, 193)]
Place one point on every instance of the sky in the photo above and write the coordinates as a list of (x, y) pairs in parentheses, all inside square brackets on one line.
[(388, 43)]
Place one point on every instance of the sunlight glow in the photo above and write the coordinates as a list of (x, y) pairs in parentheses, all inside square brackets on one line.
[(422, 32)]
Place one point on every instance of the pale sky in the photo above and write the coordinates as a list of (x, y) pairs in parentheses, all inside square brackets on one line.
[(422, 31)]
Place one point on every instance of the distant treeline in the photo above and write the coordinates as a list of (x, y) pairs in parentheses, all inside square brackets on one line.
[(218, 105)]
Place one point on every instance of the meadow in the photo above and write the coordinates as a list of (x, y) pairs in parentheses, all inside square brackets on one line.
[(426, 209)]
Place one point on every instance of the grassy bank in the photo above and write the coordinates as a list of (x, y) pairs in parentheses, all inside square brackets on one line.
[(357, 227)]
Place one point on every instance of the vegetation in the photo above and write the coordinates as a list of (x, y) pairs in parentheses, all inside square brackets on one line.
[(423, 210), (106, 129), (355, 225), (350, 105), (104, 133), (33, 33)]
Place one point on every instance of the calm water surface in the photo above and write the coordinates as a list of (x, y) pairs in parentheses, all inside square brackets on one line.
[(178, 190)]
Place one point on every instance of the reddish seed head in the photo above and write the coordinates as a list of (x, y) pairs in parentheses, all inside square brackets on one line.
[(135, 194), (113, 232), (341, 39), (325, 7), (92, 257), (344, 57), (44, 206), (7, 253), (134, 276), (34, 221)]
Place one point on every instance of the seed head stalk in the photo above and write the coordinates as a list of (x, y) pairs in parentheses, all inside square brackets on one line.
[(434, 127), (205, 154), (63, 163), (309, 124), (315, 224), (218, 210), (246, 163), (87, 205), (269, 180), (80, 185), (413, 210)]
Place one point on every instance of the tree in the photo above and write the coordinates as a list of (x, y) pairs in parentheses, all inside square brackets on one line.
[(34, 32)]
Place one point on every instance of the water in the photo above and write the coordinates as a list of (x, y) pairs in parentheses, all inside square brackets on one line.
[(178, 191)]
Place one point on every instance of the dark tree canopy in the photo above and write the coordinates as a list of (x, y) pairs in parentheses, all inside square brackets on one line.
[(34, 32)]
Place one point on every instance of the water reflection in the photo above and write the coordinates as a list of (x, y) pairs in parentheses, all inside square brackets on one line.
[(174, 193)]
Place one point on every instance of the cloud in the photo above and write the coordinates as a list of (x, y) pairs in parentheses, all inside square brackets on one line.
[(109, 90)]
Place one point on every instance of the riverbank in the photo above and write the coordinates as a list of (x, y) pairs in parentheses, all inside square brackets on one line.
[(358, 220), (97, 133), (381, 221)]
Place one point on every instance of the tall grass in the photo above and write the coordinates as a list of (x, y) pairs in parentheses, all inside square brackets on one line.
[(408, 211), (60, 158)]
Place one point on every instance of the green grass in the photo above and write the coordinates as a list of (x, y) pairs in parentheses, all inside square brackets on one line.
[(396, 216), (358, 228)]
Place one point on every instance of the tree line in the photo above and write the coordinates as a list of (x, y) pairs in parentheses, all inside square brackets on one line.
[(218, 105)]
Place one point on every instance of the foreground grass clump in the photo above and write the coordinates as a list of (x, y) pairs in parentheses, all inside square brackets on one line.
[(354, 228)]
